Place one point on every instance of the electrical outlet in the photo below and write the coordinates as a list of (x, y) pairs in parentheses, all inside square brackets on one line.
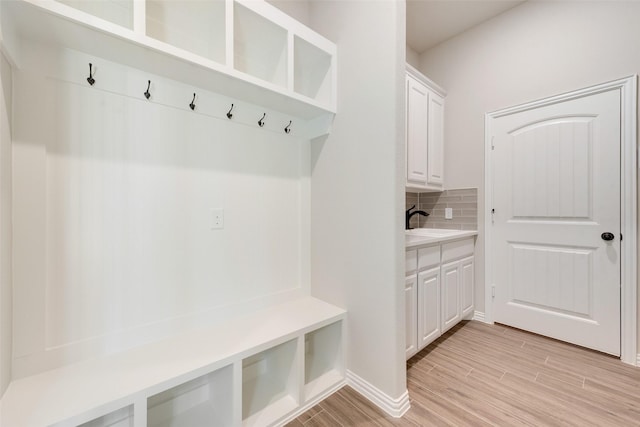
[(448, 213), (217, 218)]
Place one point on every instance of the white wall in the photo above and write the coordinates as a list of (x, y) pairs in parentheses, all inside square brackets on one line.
[(533, 51), (112, 198), (413, 58), (6, 314), (357, 190)]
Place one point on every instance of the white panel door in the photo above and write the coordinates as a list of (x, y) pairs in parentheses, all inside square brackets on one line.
[(556, 188), (411, 317), (417, 131), (435, 145), (450, 295), (428, 306)]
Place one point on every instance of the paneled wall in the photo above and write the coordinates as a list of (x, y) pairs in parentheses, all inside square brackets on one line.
[(112, 211)]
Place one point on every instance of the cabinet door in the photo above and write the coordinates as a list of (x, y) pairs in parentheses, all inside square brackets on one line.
[(450, 295), (435, 141), (417, 132), (411, 319), (466, 287), (428, 306)]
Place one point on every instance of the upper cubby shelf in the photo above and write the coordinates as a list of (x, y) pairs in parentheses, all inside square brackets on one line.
[(245, 49)]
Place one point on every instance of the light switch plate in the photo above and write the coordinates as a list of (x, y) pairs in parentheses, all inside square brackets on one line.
[(448, 213), (217, 218)]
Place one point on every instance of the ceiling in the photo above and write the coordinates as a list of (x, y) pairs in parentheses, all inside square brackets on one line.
[(430, 22)]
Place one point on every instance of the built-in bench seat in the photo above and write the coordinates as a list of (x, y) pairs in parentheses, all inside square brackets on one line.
[(260, 369)]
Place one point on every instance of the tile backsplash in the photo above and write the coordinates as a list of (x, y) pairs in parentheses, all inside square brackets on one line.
[(464, 203)]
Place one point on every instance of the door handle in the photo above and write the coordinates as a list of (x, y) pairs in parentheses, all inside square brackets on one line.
[(607, 236)]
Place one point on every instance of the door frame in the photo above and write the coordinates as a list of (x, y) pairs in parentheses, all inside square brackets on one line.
[(628, 204)]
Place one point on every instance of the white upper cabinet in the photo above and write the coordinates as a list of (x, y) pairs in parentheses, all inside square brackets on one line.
[(424, 133), (243, 49)]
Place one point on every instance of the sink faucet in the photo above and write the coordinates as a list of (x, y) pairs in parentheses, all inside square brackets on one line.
[(408, 214)]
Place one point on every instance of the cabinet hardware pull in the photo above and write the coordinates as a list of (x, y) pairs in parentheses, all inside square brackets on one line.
[(287, 129), (192, 105), (261, 121), (229, 115)]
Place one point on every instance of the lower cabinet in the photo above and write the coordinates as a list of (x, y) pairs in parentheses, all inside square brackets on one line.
[(428, 306), (467, 287), (411, 315), (439, 291), (450, 295)]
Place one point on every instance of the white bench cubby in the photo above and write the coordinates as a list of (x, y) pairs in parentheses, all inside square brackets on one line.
[(257, 370)]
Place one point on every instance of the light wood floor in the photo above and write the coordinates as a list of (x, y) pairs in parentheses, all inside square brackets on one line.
[(481, 375)]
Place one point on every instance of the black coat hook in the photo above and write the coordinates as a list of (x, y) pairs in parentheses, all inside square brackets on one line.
[(287, 129), (147, 94), (261, 121), (229, 115), (192, 105), (90, 79)]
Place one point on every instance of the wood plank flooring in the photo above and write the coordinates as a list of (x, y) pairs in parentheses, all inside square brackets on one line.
[(492, 375)]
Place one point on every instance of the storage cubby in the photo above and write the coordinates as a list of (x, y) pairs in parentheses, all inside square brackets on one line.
[(193, 25), (260, 46), (312, 71), (119, 12), (120, 418), (269, 384), (204, 401), (323, 359)]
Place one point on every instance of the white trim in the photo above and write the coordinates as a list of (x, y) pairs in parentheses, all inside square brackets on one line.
[(479, 316), (628, 203), (394, 407)]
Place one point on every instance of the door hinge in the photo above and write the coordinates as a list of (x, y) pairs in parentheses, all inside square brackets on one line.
[(493, 291), (493, 146), (493, 212), (621, 237)]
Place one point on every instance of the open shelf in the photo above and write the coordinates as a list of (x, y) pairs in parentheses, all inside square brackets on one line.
[(312, 71), (260, 46), (119, 12), (120, 418), (269, 384), (323, 366), (206, 400), (194, 25)]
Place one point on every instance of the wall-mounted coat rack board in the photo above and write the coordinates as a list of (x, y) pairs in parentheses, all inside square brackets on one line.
[(247, 51)]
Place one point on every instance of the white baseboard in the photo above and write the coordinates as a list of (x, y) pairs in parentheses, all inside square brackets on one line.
[(394, 407), (478, 315)]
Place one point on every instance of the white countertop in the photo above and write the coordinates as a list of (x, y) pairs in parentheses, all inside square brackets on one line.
[(428, 236)]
